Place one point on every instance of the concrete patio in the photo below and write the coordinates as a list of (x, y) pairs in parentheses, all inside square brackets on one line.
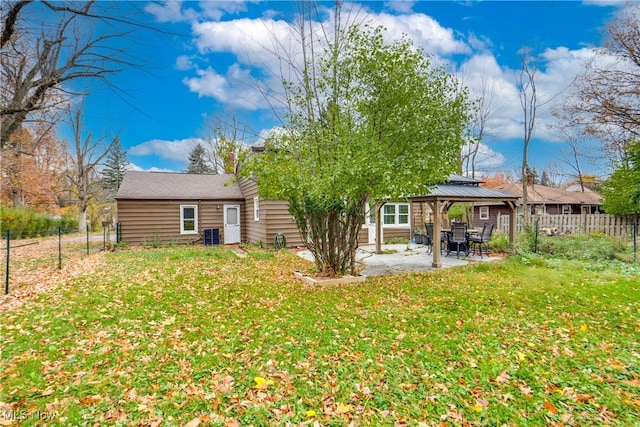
[(403, 258)]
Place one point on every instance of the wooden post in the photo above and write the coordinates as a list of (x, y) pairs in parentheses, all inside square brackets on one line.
[(379, 236), (512, 224), (436, 234)]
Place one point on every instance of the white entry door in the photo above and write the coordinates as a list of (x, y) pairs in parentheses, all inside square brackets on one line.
[(231, 224)]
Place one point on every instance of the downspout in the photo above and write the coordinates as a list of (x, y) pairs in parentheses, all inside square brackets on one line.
[(200, 223)]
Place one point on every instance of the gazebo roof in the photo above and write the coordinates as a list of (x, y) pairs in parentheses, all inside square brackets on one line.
[(462, 189)]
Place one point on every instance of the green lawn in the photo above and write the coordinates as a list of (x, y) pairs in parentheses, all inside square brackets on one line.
[(173, 335)]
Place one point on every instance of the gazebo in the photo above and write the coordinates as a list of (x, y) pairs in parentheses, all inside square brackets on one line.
[(462, 189)]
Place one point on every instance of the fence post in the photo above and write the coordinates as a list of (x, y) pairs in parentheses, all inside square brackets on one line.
[(6, 278), (59, 248), (87, 239), (535, 239), (635, 243)]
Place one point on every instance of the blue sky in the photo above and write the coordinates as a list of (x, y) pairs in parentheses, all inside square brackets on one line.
[(212, 54)]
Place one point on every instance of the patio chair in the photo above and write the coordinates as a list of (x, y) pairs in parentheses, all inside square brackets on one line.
[(428, 238), (458, 237), (482, 239)]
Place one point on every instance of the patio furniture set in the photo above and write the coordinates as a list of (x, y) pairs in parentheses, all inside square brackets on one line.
[(460, 238)]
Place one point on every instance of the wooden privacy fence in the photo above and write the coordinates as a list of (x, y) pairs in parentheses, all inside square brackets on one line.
[(611, 225)]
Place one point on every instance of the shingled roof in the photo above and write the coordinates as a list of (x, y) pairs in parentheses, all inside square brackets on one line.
[(178, 186), (539, 194)]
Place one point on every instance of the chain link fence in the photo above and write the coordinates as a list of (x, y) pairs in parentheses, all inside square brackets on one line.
[(31, 262)]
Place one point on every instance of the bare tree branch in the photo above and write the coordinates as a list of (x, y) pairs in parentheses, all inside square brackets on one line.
[(44, 50)]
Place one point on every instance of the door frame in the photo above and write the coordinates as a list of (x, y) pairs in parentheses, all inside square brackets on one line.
[(229, 228)]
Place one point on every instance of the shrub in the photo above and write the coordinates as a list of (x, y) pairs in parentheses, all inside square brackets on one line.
[(499, 243), (594, 247), (26, 223), (396, 240)]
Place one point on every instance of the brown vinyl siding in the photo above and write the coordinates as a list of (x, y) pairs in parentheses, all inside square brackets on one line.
[(253, 230), (279, 220), (274, 218), (145, 221)]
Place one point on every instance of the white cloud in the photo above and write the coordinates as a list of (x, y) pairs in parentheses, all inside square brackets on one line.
[(236, 89), (184, 62), (169, 11), (620, 3), (488, 160), (151, 169), (177, 150), (424, 31), (208, 83), (401, 6), (558, 68), (268, 47), (217, 9)]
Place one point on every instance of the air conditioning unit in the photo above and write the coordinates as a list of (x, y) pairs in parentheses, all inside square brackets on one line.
[(211, 236)]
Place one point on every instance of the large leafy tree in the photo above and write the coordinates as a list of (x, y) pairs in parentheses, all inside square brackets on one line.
[(622, 190), (367, 121), (33, 161)]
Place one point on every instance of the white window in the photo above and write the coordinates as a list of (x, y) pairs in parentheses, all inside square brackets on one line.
[(566, 209), (540, 209), (256, 208), (395, 214), (484, 212), (188, 219)]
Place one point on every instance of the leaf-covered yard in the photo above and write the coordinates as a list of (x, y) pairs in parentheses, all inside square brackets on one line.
[(197, 335)]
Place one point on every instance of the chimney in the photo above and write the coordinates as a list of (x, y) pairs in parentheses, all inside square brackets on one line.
[(529, 178)]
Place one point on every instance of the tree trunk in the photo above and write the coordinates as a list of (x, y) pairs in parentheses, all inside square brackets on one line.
[(82, 220)]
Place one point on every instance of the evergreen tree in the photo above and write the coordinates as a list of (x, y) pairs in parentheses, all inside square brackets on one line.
[(114, 168), (197, 162), (544, 180)]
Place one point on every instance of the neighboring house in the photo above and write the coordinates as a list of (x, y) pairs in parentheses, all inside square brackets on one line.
[(542, 200), (163, 207)]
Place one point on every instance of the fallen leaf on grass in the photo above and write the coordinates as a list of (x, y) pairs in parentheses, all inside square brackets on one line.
[(526, 390), (262, 383), (503, 377), (606, 347), (550, 407), (615, 364), (193, 423), (343, 408)]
